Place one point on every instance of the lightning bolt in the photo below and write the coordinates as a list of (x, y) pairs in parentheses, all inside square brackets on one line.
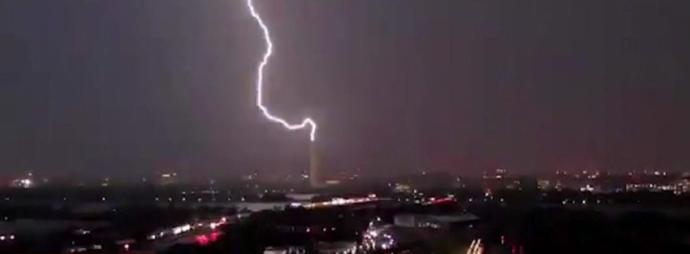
[(306, 122)]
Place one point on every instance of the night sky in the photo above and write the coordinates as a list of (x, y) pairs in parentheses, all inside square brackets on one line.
[(133, 87)]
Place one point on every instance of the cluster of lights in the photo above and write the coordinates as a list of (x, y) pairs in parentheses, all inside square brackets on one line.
[(438, 201), (650, 187), (588, 181), (6, 238), (25, 183), (587, 188), (351, 250), (376, 237), (204, 240), (648, 172), (582, 201), (476, 247), (340, 202), (181, 229), (416, 197), (78, 249), (375, 240)]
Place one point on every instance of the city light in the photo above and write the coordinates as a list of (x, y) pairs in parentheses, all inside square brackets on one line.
[(306, 122), (340, 202), (476, 247)]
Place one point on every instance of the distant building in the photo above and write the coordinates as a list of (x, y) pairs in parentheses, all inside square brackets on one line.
[(433, 221), (402, 188), (654, 181), (425, 181), (105, 182), (545, 184), (497, 180), (682, 185), (167, 179), (528, 184)]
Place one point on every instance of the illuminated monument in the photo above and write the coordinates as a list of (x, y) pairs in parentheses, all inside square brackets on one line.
[(307, 123), (315, 178)]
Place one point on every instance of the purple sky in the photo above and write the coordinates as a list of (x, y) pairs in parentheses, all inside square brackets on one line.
[(134, 87)]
